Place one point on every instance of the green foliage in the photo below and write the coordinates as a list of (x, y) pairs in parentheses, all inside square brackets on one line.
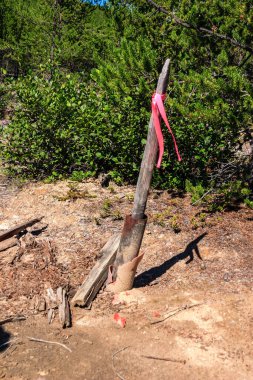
[(196, 191), (129, 71), (68, 32), (248, 203), (3, 99), (63, 127), (75, 193), (226, 196), (174, 224), (88, 111), (25, 34)]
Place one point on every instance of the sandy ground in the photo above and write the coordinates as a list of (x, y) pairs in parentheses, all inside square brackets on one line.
[(208, 263)]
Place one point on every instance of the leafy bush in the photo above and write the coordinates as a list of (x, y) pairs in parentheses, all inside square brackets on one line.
[(66, 126), (226, 196), (62, 126), (196, 191)]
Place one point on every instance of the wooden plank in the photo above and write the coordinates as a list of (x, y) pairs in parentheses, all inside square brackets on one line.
[(19, 228), (98, 275), (150, 154)]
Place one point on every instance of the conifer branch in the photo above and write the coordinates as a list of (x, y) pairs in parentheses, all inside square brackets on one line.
[(201, 29)]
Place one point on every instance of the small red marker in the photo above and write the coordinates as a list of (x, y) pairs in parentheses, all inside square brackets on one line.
[(120, 320)]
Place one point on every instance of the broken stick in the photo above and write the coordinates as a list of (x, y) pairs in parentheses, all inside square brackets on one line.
[(19, 228), (164, 359), (49, 342), (174, 312)]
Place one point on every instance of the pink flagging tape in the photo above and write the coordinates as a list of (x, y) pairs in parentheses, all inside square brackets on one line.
[(159, 110)]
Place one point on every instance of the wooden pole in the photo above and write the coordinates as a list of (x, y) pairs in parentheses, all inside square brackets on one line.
[(123, 250), (131, 238), (150, 154)]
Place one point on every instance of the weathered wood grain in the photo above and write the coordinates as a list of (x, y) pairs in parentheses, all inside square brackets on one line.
[(8, 243), (150, 154), (19, 228), (98, 275)]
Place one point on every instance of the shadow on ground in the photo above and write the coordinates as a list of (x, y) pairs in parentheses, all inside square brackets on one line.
[(145, 278), (4, 338)]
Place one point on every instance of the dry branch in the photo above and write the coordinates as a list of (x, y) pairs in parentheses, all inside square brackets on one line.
[(49, 342), (174, 312), (9, 342), (113, 365), (201, 30), (19, 228), (13, 318), (8, 243), (63, 307), (164, 359)]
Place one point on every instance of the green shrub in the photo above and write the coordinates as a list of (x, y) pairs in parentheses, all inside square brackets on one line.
[(196, 191), (248, 203), (64, 127)]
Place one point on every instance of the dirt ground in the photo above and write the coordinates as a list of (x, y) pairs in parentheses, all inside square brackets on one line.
[(191, 257)]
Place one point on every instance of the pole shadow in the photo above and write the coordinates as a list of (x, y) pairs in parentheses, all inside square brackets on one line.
[(145, 278), (4, 338)]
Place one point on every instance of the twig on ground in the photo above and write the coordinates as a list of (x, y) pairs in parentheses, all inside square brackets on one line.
[(4, 354), (49, 342), (87, 341), (9, 342), (113, 366), (164, 359), (174, 312), (13, 318), (203, 196)]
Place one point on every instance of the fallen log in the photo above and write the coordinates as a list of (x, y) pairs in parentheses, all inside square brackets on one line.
[(98, 275), (19, 228)]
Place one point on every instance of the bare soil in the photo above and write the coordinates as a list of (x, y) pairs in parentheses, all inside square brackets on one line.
[(191, 257)]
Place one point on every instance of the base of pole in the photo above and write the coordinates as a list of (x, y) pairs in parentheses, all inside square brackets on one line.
[(128, 257)]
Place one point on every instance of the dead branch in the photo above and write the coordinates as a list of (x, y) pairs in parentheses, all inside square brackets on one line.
[(13, 318), (164, 359), (113, 365), (49, 342), (9, 342), (174, 312), (63, 307), (201, 29), (8, 243), (19, 228)]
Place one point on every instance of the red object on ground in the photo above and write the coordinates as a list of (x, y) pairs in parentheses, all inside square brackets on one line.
[(120, 320)]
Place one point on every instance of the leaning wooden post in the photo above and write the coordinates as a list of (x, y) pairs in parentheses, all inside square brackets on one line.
[(128, 256), (122, 252)]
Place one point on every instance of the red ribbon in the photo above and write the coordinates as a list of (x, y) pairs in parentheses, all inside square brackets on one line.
[(158, 110)]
